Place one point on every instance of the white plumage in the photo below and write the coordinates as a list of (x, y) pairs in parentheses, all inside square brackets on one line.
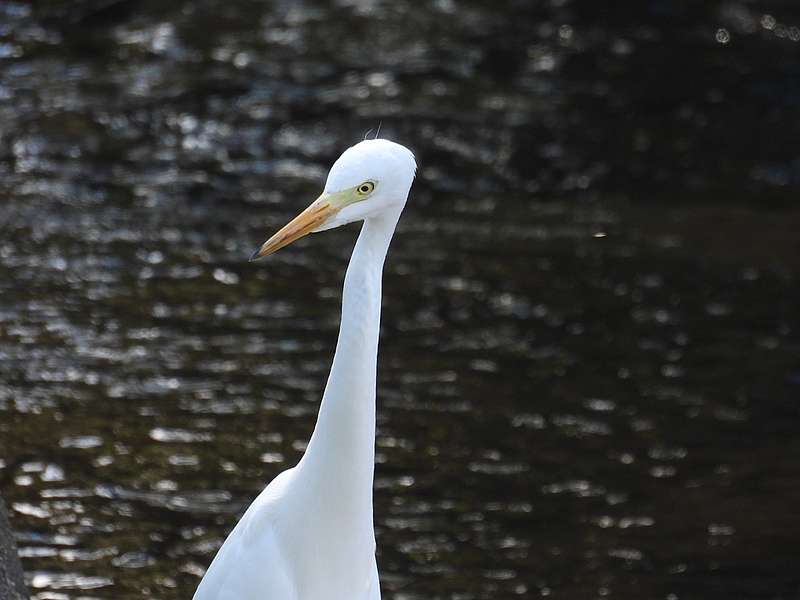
[(309, 535)]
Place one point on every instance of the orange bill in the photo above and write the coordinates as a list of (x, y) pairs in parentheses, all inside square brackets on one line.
[(307, 221)]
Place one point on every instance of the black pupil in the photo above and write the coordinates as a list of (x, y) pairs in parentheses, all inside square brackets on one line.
[(364, 188)]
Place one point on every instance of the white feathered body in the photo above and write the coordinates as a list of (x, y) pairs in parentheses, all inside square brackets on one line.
[(309, 535), (276, 554)]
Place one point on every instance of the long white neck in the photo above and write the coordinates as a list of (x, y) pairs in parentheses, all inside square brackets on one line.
[(339, 462)]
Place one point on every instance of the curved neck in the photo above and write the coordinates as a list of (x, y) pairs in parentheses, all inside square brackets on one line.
[(341, 452)]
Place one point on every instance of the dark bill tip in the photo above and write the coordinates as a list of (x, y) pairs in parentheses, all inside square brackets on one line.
[(255, 255)]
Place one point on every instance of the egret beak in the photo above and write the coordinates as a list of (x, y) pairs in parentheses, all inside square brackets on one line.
[(322, 209)]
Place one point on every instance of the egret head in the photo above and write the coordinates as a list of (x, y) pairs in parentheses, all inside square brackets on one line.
[(368, 179)]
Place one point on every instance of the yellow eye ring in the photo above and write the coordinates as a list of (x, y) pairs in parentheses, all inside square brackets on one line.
[(365, 188)]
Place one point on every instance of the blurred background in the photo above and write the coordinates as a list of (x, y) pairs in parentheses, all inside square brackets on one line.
[(590, 363)]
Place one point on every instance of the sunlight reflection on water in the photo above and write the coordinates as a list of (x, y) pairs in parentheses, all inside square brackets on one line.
[(567, 378)]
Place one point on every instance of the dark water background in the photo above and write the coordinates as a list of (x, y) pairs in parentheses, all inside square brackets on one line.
[(590, 366)]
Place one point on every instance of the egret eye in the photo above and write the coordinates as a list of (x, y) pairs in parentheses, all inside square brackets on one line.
[(366, 188)]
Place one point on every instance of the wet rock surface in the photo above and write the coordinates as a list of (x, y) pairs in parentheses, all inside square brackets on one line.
[(12, 579)]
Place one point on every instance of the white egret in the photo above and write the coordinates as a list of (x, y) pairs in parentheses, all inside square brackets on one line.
[(309, 535)]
